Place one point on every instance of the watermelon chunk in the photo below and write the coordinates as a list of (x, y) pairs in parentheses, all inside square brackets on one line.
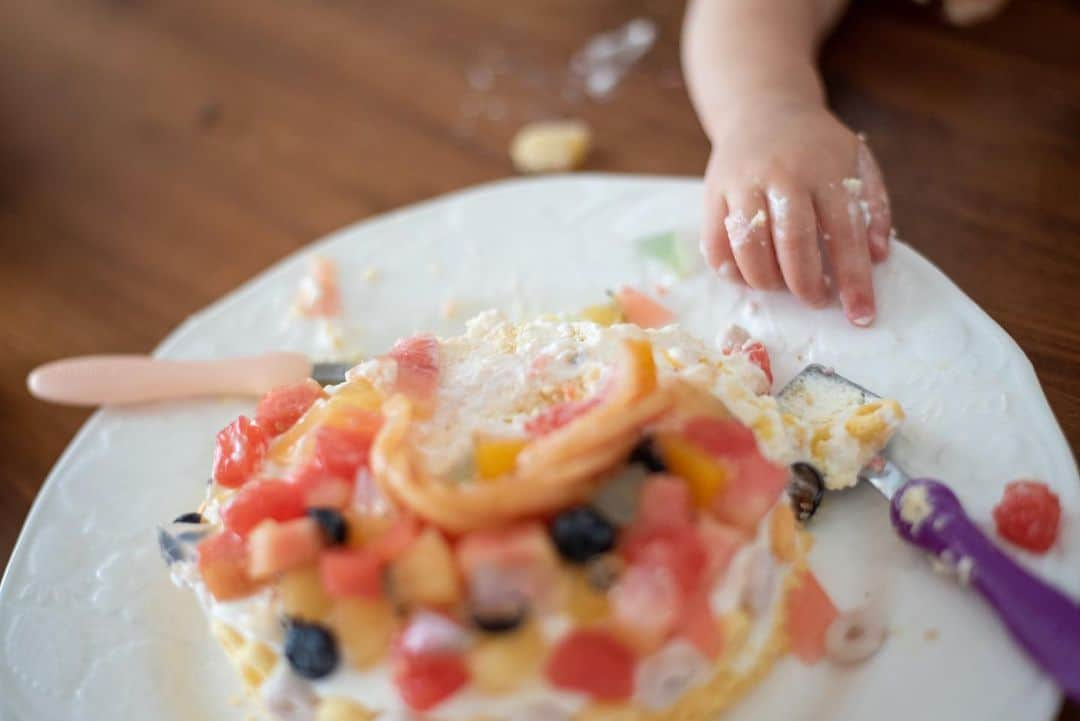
[(721, 542), (351, 572), (426, 680), (282, 407), (810, 612), (240, 449), (592, 662), (699, 626), (254, 503), (756, 487), (722, 437), (666, 502), (417, 366)]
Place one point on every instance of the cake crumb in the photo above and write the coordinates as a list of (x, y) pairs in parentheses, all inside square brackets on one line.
[(370, 274), (931, 634), (450, 308)]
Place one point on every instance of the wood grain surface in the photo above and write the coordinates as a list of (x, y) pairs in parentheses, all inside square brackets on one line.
[(156, 153)]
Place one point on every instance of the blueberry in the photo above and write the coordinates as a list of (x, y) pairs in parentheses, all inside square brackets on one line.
[(496, 600), (334, 529), (192, 517), (310, 649), (645, 454), (581, 533), (500, 620)]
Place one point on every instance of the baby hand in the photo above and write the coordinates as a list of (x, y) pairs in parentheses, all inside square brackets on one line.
[(793, 197)]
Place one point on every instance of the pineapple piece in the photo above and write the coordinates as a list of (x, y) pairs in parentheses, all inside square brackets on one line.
[(496, 457), (499, 663), (705, 475), (364, 629), (340, 709), (425, 574), (302, 595)]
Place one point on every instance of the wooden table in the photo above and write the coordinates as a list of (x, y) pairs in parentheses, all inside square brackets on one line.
[(155, 154)]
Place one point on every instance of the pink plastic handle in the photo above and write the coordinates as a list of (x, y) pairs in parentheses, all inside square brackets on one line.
[(121, 379)]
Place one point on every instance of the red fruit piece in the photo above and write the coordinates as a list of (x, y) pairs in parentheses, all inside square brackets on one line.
[(523, 556), (645, 602), (276, 547), (417, 366), (755, 489), (810, 612), (426, 680), (722, 437), (341, 452), (558, 415), (254, 503), (721, 543), (757, 354), (679, 550), (666, 502), (282, 407), (223, 566), (350, 572), (592, 662), (397, 538), (699, 626), (1028, 515), (642, 310), (241, 447)]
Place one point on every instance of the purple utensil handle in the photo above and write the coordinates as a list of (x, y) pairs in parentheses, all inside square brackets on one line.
[(1041, 619)]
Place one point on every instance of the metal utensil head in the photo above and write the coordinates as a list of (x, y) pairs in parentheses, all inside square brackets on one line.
[(330, 374), (819, 392)]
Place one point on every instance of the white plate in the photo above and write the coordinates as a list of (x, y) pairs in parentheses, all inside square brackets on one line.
[(91, 629)]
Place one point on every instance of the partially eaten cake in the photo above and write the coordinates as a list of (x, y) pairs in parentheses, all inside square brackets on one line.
[(548, 521)]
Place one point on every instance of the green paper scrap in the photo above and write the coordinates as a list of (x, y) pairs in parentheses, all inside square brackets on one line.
[(670, 249)]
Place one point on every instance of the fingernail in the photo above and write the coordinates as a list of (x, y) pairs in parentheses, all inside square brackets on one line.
[(858, 311), (862, 321), (727, 270)]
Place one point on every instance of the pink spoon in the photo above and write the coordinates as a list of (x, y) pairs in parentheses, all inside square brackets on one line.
[(121, 379)]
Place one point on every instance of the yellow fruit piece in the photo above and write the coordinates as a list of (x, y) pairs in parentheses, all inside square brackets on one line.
[(496, 457), (705, 475), (364, 528), (302, 595), (340, 709), (604, 314), (363, 628), (782, 533), (585, 604), (499, 663), (256, 661), (644, 365), (425, 574)]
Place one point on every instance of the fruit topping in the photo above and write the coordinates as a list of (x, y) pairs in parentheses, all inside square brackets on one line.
[(425, 573), (680, 550), (275, 547), (666, 502), (258, 501), (806, 488), (311, 649), (721, 542), (426, 680), (178, 540), (1028, 515), (720, 437), (499, 664), (223, 566), (645, 603), (192, 517), (334, 529), (496, 457), (810, 613), (855, 635), (417, 366), (433, 633), (642, 310), (240, 449), (341, 452), (302, 594), (519, 560), (363, 629), (704, 474), (499, 600), (581, 533), (699, 626), (593, 662), (665, 676), (757, 354), (282, 407), (754, 489), (351, 572), (783, 538)]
